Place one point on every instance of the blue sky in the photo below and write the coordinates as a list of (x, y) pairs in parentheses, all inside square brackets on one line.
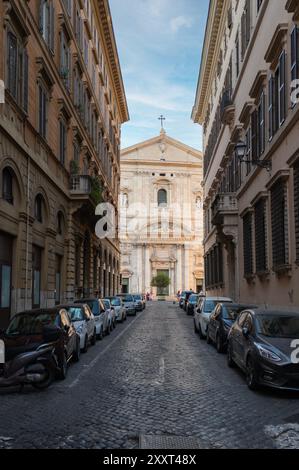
[(160, 44)]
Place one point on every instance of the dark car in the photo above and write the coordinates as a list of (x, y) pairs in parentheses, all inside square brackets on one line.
[(262, 343), (221, 321), (25, 333), (191, 304), (184, 298)]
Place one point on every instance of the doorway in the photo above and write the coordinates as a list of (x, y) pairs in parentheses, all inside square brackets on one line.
[(6, 254)]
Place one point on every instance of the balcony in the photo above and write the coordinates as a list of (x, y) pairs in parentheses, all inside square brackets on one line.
[(80, 186), (227, 108), (224, 209)]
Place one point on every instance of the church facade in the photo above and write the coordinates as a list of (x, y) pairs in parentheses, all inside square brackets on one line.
[(161, 217)]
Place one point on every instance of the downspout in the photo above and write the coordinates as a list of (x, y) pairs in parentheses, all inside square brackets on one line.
[(27, 231)]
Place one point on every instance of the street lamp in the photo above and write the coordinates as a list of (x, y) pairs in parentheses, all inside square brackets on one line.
[(240, 151)]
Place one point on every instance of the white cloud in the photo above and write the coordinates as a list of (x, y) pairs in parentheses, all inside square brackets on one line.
[(180, 22)]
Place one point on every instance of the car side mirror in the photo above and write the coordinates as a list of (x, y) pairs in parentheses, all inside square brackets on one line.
[(67, 328), (245, 332)]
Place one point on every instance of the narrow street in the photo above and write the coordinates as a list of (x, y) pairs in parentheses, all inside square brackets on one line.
[(152, 376)]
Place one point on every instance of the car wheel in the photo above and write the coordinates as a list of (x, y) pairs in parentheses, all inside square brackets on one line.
[(63, 368), (219, 344), (108, 330), (195, 328), (94, 338), (209, 341), (251, 375), (200, 332), (230, 361), (77, 352), (85, 349), (101, 335)]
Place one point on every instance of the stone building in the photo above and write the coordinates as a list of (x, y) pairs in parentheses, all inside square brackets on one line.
[(161, 216), (60, 132), (246, 102)]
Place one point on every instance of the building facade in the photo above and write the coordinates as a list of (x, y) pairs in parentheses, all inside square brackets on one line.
[(161, 216), (246, 102), (60, 129)]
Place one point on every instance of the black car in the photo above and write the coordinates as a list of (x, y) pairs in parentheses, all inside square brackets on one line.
[(263, 344), (184, 298), (221, 321), (26, 332), (191, 304)]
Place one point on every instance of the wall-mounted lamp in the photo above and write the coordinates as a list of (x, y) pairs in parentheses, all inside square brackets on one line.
[(240, 151)]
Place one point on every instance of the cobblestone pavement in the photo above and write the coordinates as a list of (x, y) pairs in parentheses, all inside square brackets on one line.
[(153, 375)]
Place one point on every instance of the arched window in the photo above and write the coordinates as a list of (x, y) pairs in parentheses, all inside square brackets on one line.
[(162, 197), (7, 185), (38, 208)]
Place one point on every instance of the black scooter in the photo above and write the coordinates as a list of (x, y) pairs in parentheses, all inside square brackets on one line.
[(37, 368)]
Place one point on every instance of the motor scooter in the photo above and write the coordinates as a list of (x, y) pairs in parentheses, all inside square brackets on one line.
[(37, 368)]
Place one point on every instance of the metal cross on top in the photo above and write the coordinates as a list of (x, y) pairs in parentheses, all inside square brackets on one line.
[(162, 118)]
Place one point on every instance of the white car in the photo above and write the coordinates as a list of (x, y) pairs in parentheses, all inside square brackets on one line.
[(119, 309), (100, 315), (111, 314), (84, 323), (203, 312)]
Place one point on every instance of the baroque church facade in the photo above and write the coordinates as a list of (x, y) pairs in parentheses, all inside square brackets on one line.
[(161, 216)]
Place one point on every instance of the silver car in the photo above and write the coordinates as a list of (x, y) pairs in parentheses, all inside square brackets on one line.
[(84, 322), (111, 313), (100, 314), (129, 303), (119, 309), (203, 312)]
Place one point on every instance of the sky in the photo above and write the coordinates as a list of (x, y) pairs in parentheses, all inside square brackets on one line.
[(160, 44)]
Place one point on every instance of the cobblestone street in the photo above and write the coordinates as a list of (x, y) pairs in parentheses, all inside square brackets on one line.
[(152, 376)]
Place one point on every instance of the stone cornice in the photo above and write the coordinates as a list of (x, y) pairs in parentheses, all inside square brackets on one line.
[(112, 54), (212, 43)]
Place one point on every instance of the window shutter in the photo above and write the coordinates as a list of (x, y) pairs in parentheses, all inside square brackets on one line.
[(270, 107), (41, 16), (52, 28), (25, 81), (282, 88), (254, 146), (12, 64)]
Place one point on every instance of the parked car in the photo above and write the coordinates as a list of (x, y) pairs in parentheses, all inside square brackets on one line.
[(138, 302), (222, 319), (100, 315), (119, 308), (260, 343), (84, 322), (111, 314), (128, 301), (191, 304), (25, 333), (203, 312), (184, 298)]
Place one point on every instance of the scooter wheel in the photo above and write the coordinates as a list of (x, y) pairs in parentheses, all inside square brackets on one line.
[(46, 382)]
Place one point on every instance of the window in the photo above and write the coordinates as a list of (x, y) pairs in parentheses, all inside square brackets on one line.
[(17, 70), (260, 236), (65, 60), (277, 97), (261, 125), (62, 141), (58, 264), (296, 206), (214, 267), (38, 208), (36, 275), (43, 111), (162, 197), (60, 223), (7, 185), (279, 224), (46, 22), (295, 54), (246, 27), (247, 244)]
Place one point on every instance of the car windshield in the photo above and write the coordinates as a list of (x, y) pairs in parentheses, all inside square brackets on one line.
[(107, 304), (94, 307), (193, 299), (209, 306), (76, 313), (137, 297), (128, 298), (115, 302), (229, 313), (285, 326), (28, 324)]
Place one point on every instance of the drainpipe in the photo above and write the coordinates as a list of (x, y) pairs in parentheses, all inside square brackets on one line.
[(27, 231)]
